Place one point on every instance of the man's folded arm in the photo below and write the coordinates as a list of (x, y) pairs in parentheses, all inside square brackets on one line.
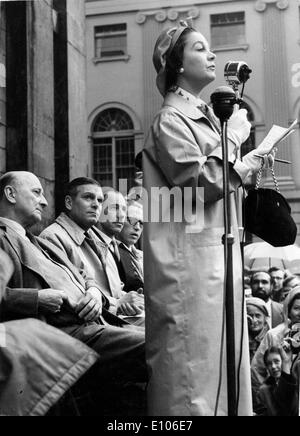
[(22, 301)]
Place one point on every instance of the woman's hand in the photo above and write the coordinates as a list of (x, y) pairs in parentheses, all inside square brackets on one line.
[(239, 127), (286, 355)]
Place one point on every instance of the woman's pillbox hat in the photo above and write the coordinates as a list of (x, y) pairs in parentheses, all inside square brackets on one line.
[(163, 48)]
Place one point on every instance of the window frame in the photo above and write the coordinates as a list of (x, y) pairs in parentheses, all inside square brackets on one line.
[(233, 45), (98, 35), (113, 136)]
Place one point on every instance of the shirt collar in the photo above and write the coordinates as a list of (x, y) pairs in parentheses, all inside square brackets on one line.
[(128, 248), (188, 96), (189, 108), (74, 230), (15, 226), (106, 239)]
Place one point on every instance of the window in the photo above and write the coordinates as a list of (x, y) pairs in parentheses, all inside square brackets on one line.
[(113, 148), (111, 41), (228, 29)]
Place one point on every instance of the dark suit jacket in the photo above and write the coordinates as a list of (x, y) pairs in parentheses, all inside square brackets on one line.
[(20, 298), (130, 273)]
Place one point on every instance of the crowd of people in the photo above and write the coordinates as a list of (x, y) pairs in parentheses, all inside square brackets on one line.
[(273, 314)]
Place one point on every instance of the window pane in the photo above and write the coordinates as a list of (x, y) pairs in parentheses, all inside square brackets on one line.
[(103, 160), (111, 28), (125, 167), (228, 35), (113, 46), (113, 120), (111, 40), (228, 29)]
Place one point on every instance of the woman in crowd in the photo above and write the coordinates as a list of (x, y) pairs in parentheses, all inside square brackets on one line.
[(257, 315), (278, 395), (275, 337), (184, 255)]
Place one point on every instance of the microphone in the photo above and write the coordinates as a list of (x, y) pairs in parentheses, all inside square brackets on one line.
[(223, 100), (236, 72)]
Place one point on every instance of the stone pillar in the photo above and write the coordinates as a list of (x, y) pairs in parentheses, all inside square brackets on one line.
[(276, 83), (40, 103), (2, 90), (79, 150)]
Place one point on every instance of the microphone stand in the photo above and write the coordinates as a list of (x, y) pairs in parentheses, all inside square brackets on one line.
[(223, 102), (228, 241)]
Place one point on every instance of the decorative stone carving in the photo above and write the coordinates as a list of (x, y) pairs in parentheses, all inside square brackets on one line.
[(261, 5), (162, 15)]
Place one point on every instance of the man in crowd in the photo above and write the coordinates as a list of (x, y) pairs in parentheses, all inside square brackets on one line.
[(262, 288), (72, 232), (46, 285), (132, 258), (277, 277)]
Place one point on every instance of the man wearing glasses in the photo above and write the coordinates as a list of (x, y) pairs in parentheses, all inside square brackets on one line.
[(131, 257)]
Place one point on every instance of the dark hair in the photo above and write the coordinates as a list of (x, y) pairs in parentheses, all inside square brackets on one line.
[(269, 351), (290, 304), (259, 272), (288, 279), (174, 60), (6, 179), (274, 268), (71, 188)]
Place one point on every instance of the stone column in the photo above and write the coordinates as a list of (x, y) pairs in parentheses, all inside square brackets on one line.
[(276, 83), (2, 90), (79, 151), (40, 103)]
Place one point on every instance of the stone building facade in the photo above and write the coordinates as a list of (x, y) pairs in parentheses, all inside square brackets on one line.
[(120, 36), (43, 92)]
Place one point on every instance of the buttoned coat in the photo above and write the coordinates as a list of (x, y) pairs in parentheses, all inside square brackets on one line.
[(184, 266)]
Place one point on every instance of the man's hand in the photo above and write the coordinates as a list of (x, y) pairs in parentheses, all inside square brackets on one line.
[(51, 300), (89, 308), (131, 304)]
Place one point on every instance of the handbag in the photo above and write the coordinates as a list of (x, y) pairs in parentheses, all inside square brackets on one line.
[(267, 214)]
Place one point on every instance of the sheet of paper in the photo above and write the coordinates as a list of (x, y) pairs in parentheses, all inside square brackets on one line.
[(278, 134)]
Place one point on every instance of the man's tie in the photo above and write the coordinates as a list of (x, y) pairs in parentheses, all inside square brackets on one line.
[(207, 111), (115, 251), (91, 242)]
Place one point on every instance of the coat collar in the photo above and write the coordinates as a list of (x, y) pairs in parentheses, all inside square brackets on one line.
[(73, 229), (188, 108)]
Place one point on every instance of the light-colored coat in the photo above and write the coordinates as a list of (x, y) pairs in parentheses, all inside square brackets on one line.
[(184, 272), (39, 363)]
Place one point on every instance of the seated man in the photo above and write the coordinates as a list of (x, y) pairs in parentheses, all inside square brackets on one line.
[(72, 232), (47, 286), (111, 223), (131, 258), (38, 363)]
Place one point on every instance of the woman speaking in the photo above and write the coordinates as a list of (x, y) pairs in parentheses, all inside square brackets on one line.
[(184, 259)]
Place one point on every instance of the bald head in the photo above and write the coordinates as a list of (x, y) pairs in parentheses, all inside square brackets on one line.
[(21, 198)]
